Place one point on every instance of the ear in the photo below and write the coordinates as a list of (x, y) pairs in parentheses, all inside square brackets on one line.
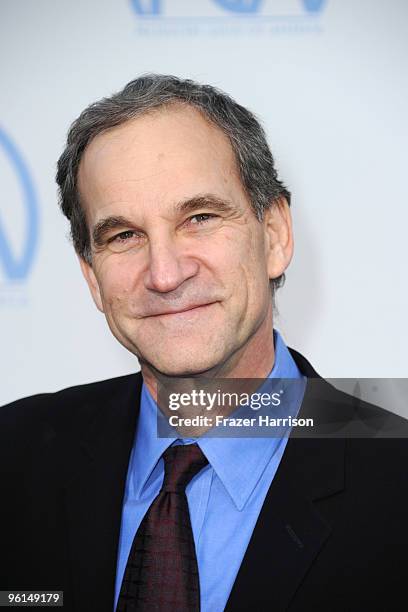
[(278, 237), (92, 281)]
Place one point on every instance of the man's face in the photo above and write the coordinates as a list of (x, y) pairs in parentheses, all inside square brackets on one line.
[(180, 264)]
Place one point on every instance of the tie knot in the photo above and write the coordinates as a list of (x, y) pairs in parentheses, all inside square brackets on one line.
[(181, 464)]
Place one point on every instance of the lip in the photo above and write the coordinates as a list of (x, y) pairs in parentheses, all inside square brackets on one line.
[(183, 311)]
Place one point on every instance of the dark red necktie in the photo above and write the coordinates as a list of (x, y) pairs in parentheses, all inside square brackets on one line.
[(162, 572)]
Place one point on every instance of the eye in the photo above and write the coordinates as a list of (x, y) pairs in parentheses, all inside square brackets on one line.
[(201, 218), (125, 240), (124, 236)]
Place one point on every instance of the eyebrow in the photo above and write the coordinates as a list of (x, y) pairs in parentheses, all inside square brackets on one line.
[(205, 201), (208, 201), (106, 225)]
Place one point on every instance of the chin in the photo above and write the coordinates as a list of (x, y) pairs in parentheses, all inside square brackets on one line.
[(182, 362), (183, 368), (185, 357)]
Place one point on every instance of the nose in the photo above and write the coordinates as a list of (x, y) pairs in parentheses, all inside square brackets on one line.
[(168, 265)]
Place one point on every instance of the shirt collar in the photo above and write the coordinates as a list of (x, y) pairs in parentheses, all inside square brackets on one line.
[(238, 462)]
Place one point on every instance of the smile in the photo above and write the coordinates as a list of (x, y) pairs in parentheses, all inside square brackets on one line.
[(184, 312)]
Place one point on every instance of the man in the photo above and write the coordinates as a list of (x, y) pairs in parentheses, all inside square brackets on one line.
[(183, 233)]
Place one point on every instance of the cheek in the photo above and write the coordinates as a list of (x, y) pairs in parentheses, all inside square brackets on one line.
[(255, 276), (257, 257), (246, 256), (116, 284)]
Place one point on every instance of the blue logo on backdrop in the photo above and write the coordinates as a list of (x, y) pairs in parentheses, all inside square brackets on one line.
[(240, 6), (253, 6), (17, 267), (155, 7), (149, 7), (227, 17), (313, 6)]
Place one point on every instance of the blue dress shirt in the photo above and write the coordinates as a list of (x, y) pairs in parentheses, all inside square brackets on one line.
[(224, 499)]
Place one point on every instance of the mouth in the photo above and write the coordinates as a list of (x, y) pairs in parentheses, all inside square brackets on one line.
[(183, 312)]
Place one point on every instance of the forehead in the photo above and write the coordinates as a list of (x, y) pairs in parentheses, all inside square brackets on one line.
[(158, 151)]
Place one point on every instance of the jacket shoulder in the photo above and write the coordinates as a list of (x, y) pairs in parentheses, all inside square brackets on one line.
[(70, 404)]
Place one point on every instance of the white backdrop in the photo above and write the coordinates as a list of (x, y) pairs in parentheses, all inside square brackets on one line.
[(329, 80)]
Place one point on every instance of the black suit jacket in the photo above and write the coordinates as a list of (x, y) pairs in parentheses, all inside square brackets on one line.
[(331, 535)]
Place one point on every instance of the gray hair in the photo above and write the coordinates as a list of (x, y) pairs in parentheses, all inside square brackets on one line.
[(145, 94)]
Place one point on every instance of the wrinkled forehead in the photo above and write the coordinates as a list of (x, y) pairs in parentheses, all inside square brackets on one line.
[(171, 132), (171, 150)]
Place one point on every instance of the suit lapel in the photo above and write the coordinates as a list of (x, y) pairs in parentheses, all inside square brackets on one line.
[(290, 530), (94, 495)]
